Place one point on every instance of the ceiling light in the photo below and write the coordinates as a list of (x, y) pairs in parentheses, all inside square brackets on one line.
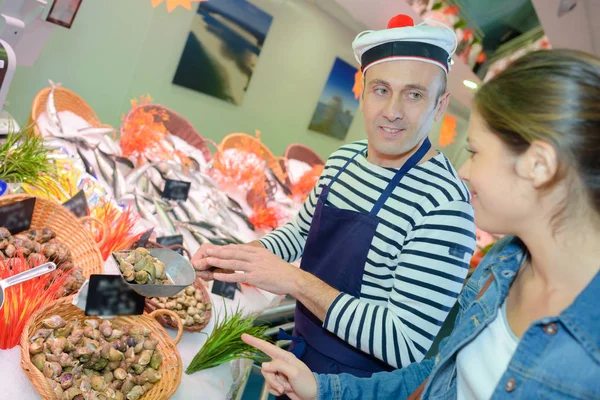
[(470, 84)]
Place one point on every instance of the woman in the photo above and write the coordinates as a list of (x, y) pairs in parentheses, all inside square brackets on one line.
[(529, 319)]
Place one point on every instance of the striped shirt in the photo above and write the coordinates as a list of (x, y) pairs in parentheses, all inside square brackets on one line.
[(418, 258)]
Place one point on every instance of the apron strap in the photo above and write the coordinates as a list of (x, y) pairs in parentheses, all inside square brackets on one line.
[(343, 169), (300, 347), (408, 165)]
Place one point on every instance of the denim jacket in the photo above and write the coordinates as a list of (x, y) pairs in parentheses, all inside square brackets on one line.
[(557, 357)]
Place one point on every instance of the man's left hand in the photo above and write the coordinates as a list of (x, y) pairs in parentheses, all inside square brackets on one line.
[(259, 268)]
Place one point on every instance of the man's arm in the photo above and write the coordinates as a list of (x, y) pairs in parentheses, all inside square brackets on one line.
[(315, 294)]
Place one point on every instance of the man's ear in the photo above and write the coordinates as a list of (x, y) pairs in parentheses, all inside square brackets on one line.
[(539, 163), (442, 105)]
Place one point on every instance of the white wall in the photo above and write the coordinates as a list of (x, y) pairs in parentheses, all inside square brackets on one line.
[(118, 50)]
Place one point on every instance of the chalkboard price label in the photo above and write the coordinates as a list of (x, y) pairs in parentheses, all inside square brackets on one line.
[(110, 295), (143, 240), (78, 205), (16, 217), (225, 289), (168, 241), (176, 190)]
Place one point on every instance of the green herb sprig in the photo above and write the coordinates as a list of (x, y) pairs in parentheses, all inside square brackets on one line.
[(23, 157), (225, 342)]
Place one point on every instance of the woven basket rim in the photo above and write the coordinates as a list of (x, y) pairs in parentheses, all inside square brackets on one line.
[(37, 108), (204, 148), (86, 248), (152, 306), (268, 154)]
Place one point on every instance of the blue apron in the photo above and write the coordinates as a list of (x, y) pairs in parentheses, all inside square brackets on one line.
[(336, 252)]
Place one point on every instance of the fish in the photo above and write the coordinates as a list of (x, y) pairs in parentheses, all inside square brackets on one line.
[(125, 165), (201, 239), (105, 168), (284, 187), (51, 108), (158, 191), (191, 213), (132, 178), (96, 130), (177, 214), (205, 225), (243, 217), (164, 219), (89, 168), (119, 183), (144, 212)]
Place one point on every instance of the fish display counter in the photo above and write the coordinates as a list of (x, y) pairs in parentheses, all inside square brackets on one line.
[(101, 201)]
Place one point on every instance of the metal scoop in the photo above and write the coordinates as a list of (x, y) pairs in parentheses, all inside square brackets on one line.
[(24, 276)]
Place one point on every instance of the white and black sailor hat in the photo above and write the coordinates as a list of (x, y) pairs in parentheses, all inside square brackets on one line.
[(431, 41)]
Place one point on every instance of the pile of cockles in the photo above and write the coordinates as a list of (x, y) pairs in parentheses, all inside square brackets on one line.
[(138, 266), (96, 360)]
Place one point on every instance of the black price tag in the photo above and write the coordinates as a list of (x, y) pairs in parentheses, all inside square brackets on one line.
[(168, 241), (110, 295), (176, 190), (225, 289), (78, 205), (16, 217), (143, 240)]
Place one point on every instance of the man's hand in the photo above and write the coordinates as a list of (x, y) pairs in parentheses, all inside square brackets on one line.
[(285, 374), (203, 269), (206, 271), (260, 267)]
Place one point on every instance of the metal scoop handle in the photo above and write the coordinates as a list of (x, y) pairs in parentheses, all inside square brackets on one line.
[(27, 275)]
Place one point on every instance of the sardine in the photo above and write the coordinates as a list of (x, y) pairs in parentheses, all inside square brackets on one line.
[(132, 178), (286, 189), (243, 217), (166, 222), (205, 225), (158, 191), (119, 183), (89, 168), (51, 108), (125, 165), (144, 212), (95, 130), (105, 169)]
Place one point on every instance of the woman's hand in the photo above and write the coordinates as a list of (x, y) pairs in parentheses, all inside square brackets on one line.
[(285, 374)]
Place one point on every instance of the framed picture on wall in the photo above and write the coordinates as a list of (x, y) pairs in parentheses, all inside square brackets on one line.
[(222, 49), (337, 105)]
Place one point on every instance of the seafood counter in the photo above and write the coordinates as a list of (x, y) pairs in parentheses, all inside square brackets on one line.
[(99, 201)]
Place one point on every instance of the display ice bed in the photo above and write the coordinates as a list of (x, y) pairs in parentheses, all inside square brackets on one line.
[(179, 271)]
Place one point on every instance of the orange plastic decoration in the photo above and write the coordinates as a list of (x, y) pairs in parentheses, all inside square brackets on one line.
[(173, 4), (358, 84), (448, 131)]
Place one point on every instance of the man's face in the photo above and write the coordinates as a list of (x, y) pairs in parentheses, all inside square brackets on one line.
[(401, 100)]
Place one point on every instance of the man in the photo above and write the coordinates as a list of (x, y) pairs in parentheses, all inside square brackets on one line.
[(386, 235)]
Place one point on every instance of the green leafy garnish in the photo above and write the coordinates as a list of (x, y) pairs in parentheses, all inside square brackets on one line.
[(23, 157), (225, 342)]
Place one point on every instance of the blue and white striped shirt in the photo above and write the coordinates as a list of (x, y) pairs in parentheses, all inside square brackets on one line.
[(418, 259)]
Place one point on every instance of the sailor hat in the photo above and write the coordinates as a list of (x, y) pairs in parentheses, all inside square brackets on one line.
[(430, 41)]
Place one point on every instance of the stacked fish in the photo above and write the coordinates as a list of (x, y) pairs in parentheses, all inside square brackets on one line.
[(207, 216)]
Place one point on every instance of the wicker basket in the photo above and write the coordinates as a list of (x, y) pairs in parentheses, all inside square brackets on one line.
[(65, 100), (179, 126), (69, 231), (303, 153), (168, 322), (245, 142), (170, 368)]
